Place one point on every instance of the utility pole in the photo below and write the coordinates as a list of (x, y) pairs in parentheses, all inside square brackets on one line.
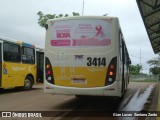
[(140, 56), (83, 8)]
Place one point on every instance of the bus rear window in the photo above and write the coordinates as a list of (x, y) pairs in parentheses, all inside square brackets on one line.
[(77, 33), (28, 55)]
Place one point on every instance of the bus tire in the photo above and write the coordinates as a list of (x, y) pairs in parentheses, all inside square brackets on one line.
[(28, 83)]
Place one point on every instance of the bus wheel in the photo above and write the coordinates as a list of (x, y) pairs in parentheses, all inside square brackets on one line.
[(28, 83)]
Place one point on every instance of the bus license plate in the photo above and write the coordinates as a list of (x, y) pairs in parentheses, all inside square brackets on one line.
[(78, 81)]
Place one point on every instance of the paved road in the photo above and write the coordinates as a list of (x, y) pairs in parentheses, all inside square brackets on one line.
[(35, 100)]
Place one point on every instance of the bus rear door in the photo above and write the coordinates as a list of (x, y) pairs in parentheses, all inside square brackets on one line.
[(40, 63)]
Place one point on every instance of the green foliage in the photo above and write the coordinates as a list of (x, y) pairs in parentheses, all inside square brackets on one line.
[(135, 69), (155, 63), (146, 80), (155, 70), (43, 18)]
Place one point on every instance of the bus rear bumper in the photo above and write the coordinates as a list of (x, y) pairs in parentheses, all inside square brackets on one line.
[(110, 90)]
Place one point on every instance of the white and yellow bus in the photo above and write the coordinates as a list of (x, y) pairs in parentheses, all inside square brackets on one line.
[(21, 64), (86, 55)]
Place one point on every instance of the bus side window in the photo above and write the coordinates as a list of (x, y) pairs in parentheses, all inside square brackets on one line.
[(120, 43), (28, 55), (123, 53), (11, 52)]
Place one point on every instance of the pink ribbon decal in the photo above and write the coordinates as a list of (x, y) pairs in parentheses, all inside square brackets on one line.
[(99, 31)]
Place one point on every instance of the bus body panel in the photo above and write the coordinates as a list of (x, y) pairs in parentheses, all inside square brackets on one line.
[(80, 76), (14, 74)]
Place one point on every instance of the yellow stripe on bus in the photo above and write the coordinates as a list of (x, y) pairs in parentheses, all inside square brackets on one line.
[(80, 76)]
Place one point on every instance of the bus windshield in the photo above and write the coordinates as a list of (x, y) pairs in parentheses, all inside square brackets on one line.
[(81, 33)]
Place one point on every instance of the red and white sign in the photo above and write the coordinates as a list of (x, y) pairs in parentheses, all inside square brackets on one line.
[(82, 33)]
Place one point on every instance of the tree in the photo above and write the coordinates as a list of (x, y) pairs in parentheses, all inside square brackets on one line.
[(135, 69), (43, 18), (155, 70), (155, 63)]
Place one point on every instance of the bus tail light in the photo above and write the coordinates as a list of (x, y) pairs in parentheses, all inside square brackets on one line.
[(49, 72), (111, 72)]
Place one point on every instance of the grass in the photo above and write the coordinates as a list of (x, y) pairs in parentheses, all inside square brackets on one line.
[(146, 80)]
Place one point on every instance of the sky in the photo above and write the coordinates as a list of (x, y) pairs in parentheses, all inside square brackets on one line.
[(19, 21)]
